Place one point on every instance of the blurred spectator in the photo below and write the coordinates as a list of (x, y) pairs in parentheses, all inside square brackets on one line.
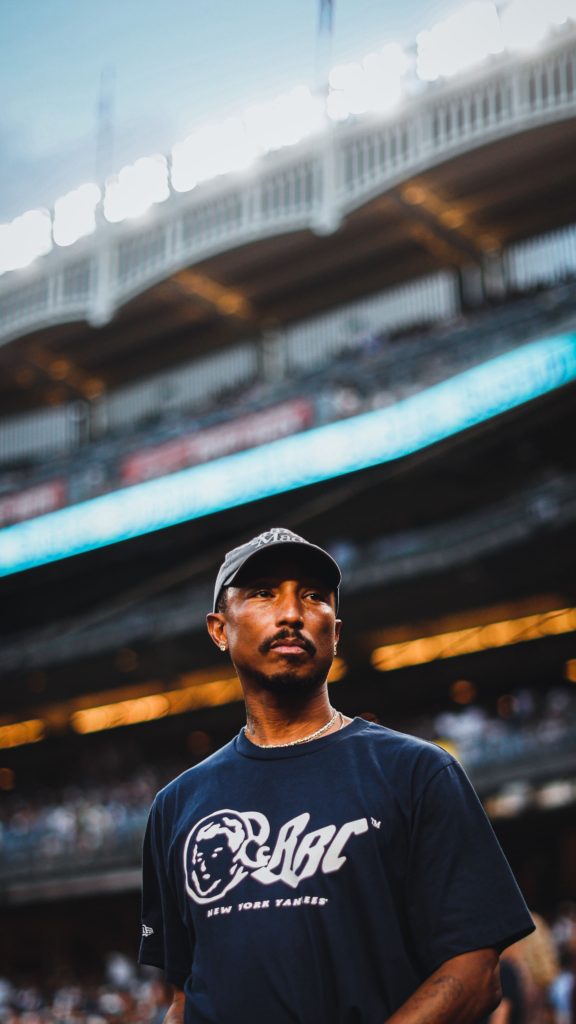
[(138, 1000), (536, 960), (512, 1009), (563, 990), (535, 991)]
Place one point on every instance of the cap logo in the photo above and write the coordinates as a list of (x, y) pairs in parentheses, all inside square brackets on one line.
[(276, 536), (238, 557)]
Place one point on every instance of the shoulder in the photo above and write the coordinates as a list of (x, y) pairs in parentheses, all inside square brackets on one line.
[(403, 745), (192, 779), (409, 761)]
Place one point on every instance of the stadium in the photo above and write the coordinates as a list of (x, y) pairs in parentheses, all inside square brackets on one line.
[(350, 315)]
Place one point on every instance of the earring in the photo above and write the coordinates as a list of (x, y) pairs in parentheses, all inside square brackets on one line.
[(222, 647), (335, 649)]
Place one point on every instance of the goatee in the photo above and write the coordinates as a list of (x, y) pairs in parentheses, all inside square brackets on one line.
[(290, 683)]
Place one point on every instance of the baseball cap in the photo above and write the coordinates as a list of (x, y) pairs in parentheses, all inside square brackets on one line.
[(277, 536)]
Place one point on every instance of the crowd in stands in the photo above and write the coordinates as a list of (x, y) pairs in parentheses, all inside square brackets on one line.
[(86, 823), (528, 725), (538, 982), (57, 828), (124, 996), (372, 372), (104, 823)]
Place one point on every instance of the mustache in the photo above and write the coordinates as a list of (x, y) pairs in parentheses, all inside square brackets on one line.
[(288, 634)]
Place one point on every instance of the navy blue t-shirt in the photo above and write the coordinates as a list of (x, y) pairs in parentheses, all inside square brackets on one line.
[(322, 882)]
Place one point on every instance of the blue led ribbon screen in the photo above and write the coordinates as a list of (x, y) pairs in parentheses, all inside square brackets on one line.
[(323, 453)]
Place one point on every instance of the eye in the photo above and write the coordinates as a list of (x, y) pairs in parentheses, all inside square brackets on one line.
[(261, 592), (316, 595)]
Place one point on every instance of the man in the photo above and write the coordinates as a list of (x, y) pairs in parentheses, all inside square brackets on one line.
[(318, 869)]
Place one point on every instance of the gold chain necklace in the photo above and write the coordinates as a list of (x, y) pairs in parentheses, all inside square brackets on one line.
[(304, 739)]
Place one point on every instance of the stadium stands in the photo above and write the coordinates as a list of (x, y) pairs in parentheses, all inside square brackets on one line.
[(345, 275), (86, 827), (370, 370)]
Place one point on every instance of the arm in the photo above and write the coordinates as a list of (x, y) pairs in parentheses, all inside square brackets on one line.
[(461, 991), (502, 1014), (175, 1013)]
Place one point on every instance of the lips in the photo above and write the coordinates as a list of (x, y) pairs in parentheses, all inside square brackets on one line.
[(290, 646)]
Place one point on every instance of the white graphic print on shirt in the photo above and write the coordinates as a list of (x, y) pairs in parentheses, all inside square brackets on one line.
[(226, 846)]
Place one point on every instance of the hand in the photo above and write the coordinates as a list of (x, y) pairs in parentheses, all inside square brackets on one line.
[(175, 1014)]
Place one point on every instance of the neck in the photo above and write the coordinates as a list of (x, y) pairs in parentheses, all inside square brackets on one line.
[(271, 718)]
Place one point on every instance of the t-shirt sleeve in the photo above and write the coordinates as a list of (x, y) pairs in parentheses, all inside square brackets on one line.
[(461, 892), (165, 942)]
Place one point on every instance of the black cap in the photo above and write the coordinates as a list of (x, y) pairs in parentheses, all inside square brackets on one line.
[(237, 558)]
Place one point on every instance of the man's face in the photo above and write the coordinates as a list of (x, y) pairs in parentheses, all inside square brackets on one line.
[(280, 624), (212, 863)]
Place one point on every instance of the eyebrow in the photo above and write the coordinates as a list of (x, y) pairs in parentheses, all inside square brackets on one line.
[(273, 581)]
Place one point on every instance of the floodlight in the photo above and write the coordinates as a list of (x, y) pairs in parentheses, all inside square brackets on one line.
[(351, 81), (5, 247), (24, 239), (337, 108), (136, 188), (396, 59), (182, 173), (464, 39), (561, 11), (285, 121), (384, 72), (210, 151), (75, 214), (525, 23), (374, 85)]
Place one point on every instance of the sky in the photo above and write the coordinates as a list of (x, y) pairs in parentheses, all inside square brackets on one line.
[(175, 64)]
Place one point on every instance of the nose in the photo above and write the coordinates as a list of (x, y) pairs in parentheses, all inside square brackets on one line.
[(289, 607)]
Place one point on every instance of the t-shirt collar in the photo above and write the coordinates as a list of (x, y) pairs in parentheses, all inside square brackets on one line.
[(246, 748)]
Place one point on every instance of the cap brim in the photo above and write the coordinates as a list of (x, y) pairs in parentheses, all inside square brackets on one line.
[(307, 554)]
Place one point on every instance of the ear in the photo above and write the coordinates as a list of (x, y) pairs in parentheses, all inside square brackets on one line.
[(216, 625), (337, 629)]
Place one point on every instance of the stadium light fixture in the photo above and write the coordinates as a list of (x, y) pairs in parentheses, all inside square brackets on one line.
[(157, 705), (134, 705), (25, 239), (17, 734), (285, 121), (136, 188), (459, 42), (384, 74), (561, 11), (570, 670), (211, 151), (234, 144), (75, 214), (483, 637), (150, 707), (558, 793), (525, 23), (350, 81), (337, 108), (375, 85)]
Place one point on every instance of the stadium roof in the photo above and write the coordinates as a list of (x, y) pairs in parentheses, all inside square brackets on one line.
[(510, 190), (465, 202)]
